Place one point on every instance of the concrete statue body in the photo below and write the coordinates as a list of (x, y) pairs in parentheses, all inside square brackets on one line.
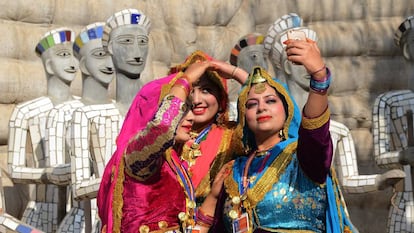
[(30, 160), (393, 136), (122, 44), (95, 125)]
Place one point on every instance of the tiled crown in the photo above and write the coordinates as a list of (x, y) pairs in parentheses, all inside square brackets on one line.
[(92, 31), (54, 37), (124, 17), (247, 40)]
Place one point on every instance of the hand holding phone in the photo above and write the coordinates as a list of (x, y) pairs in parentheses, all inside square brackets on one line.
[(296, 35)]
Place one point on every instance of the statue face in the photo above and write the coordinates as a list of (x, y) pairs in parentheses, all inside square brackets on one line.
[(296, 73), (251, 56), (128, 45), (96, 62), (60, 62)]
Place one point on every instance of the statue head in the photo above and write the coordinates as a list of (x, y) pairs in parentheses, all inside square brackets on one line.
[(126, 39), (249, 52), (404, 38), (94, 61), (55, 50), (275, 48)]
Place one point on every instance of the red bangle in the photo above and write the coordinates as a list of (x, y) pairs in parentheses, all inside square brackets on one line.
[(317, 71), (204, 219)]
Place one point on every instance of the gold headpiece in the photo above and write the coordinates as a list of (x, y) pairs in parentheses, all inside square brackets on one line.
[(258, 79)]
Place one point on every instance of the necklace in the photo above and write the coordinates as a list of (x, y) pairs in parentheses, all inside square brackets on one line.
[(186, 218), (192, 151), (242, 202)]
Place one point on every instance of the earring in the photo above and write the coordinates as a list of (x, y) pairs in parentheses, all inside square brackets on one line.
[(281, 134)]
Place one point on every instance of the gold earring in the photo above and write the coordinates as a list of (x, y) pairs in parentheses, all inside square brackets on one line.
[(281, 135)]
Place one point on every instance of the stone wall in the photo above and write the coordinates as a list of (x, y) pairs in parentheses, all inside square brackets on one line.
[(355, 36)]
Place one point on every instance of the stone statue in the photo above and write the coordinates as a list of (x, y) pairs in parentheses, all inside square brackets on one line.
[(126, 39), (297, 80), (95, 64), (9, 223), (246, 54), (394, 137), (30, 157), (95, 125)]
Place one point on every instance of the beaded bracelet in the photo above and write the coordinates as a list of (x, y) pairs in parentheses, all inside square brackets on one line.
[(321, 86), (204, 219), (184, 84)]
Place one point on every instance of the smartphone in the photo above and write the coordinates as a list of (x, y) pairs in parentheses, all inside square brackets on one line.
[(296, 35)]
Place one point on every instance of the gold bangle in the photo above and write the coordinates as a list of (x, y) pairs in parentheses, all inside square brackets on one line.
[(182, 87), (234, 71)]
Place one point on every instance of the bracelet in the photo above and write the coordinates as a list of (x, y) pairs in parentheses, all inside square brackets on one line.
[(234, 71), (185, 77), (321, 86), (182, 82), (182, 87), (319, 70), (204, 219)]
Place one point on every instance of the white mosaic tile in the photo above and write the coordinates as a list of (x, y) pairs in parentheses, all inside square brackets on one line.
[(390, 136)]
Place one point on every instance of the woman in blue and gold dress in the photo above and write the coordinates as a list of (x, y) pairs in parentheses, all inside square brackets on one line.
[(285, 183)]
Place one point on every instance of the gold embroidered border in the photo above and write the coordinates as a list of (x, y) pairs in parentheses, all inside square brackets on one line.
[(223, 155), (265, 183), (243, 98), (315, 123), (118, 200), (149, 150)]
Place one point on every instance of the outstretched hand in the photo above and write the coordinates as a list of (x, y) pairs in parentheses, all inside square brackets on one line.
[(305, 53)]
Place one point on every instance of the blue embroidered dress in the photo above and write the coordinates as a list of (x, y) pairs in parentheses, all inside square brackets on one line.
[(289, 188)]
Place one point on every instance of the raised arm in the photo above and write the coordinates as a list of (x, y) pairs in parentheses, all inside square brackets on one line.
[(315, 149)]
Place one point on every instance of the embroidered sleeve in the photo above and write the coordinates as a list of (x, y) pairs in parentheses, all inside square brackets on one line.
[(143, 154), (315, 147)]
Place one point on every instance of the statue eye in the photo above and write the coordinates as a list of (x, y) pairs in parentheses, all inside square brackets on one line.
[(142, 40), (125, 39), (63, 53), (99, 53)]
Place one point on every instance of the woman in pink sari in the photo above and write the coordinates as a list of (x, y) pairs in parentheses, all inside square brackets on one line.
[(145, 186)]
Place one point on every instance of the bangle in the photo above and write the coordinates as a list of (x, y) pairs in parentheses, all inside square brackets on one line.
[(321, 86), (234, 71), (183, 88), (204, 219), (183, 83), (319, 70)]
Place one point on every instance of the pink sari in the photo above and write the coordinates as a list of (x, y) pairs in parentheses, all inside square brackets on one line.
[(141, 111)]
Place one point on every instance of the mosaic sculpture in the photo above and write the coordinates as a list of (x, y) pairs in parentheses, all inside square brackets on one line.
[(36, 138), (393, 137)]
